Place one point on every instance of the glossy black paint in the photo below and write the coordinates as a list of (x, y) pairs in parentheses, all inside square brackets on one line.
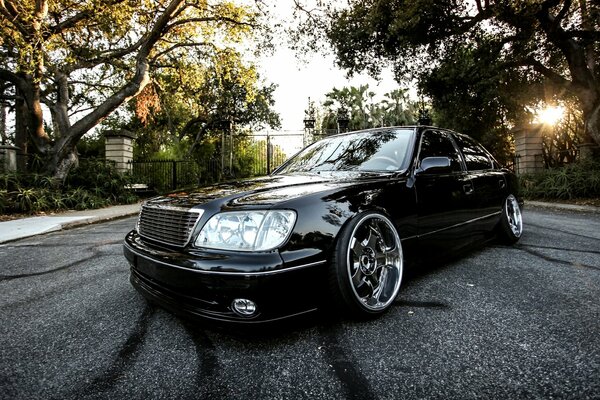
[(439, 209)]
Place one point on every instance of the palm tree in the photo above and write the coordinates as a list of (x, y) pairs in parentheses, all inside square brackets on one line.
[(363, 112), (399, 110)]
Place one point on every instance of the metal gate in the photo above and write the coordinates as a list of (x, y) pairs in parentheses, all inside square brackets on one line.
[(258, 154), (239, 156)]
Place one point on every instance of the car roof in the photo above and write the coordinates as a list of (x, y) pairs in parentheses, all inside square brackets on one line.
[(377, 129)]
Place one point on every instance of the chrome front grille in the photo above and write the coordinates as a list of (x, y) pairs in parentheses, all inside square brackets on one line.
[(169, 225)]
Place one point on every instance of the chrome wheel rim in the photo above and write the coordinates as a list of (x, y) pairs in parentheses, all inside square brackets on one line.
[(375, 262), (513, 215)]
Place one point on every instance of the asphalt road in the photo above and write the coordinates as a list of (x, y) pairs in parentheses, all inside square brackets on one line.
[(500, 322)]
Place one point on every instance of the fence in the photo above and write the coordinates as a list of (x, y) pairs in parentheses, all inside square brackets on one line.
[(238, 157), (255, 155), (164, 175)]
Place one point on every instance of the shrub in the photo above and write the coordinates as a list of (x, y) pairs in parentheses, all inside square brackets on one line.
[(4, 200), (577, 180), (102, 180), (93, 184)]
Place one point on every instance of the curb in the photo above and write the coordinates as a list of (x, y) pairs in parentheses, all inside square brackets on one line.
[(34, 226), (93, 220), (563, 206)]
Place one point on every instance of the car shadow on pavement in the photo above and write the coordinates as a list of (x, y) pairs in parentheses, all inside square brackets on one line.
[(325, 319)]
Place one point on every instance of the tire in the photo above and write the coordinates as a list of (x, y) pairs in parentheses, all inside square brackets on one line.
[(366, 268), (510, 227)]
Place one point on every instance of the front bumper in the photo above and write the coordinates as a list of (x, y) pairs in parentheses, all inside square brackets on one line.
[(204, 284)]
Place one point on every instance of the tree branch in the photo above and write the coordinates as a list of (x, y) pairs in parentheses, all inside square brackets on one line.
[(11, 13), (60, 108), (210, 19), (179, 45), (562, 13), (545, 71), (573, 52), (479, 6), (132, 88), (20, 83), (109, 57), (60, 27), (470, 22), (589, 36)]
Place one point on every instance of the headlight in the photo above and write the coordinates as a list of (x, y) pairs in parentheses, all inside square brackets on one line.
[(247, 230)]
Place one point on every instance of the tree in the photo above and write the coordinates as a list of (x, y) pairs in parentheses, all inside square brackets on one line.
[(561, 140), (394, 110), (554, 40), (398, 109), (352, 99), (82, 60), (471, 93), (186, 107)]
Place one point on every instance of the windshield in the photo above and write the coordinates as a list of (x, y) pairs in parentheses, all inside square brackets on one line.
[(376, 151)]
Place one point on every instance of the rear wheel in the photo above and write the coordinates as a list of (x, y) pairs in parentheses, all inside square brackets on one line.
[(510, 227), (366, 269)]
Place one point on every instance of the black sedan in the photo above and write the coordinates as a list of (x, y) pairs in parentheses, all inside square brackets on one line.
[(332, 227)]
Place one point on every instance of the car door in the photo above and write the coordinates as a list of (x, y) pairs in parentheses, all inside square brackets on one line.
[(443, 194), (489, 183)]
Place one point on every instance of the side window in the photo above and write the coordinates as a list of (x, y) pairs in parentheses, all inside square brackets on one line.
[(439, 144), (475, 157)]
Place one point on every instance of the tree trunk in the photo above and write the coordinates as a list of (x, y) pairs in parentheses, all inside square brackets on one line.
[(3, 133), (591, 143), (62, 162), (21, 138)]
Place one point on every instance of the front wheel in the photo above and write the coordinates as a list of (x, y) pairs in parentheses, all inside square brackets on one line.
[(510, 227), (367, 265)]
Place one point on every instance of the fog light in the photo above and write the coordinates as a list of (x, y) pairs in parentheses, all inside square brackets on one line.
[(244, 307)]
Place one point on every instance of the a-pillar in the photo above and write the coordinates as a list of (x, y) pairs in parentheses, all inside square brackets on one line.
[(529, 149), (118, 148)]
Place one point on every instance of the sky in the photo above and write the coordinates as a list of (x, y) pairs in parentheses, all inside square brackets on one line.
[(312, 77), (298, 80)]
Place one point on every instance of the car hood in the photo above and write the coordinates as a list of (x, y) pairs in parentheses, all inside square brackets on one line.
[(267, 190)]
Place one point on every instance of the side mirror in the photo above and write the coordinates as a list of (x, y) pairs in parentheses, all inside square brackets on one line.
[(434, 164)]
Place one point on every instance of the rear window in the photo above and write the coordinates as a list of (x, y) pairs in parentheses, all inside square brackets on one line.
[(476, 157), (439, 144)]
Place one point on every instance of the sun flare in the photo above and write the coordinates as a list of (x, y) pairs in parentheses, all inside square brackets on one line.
[(550, 115)]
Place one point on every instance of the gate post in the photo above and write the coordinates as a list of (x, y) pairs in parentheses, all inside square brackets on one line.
[(269, 154), (8, 158), (174, 174), (119, 148), (529, 149), (309, 124)]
